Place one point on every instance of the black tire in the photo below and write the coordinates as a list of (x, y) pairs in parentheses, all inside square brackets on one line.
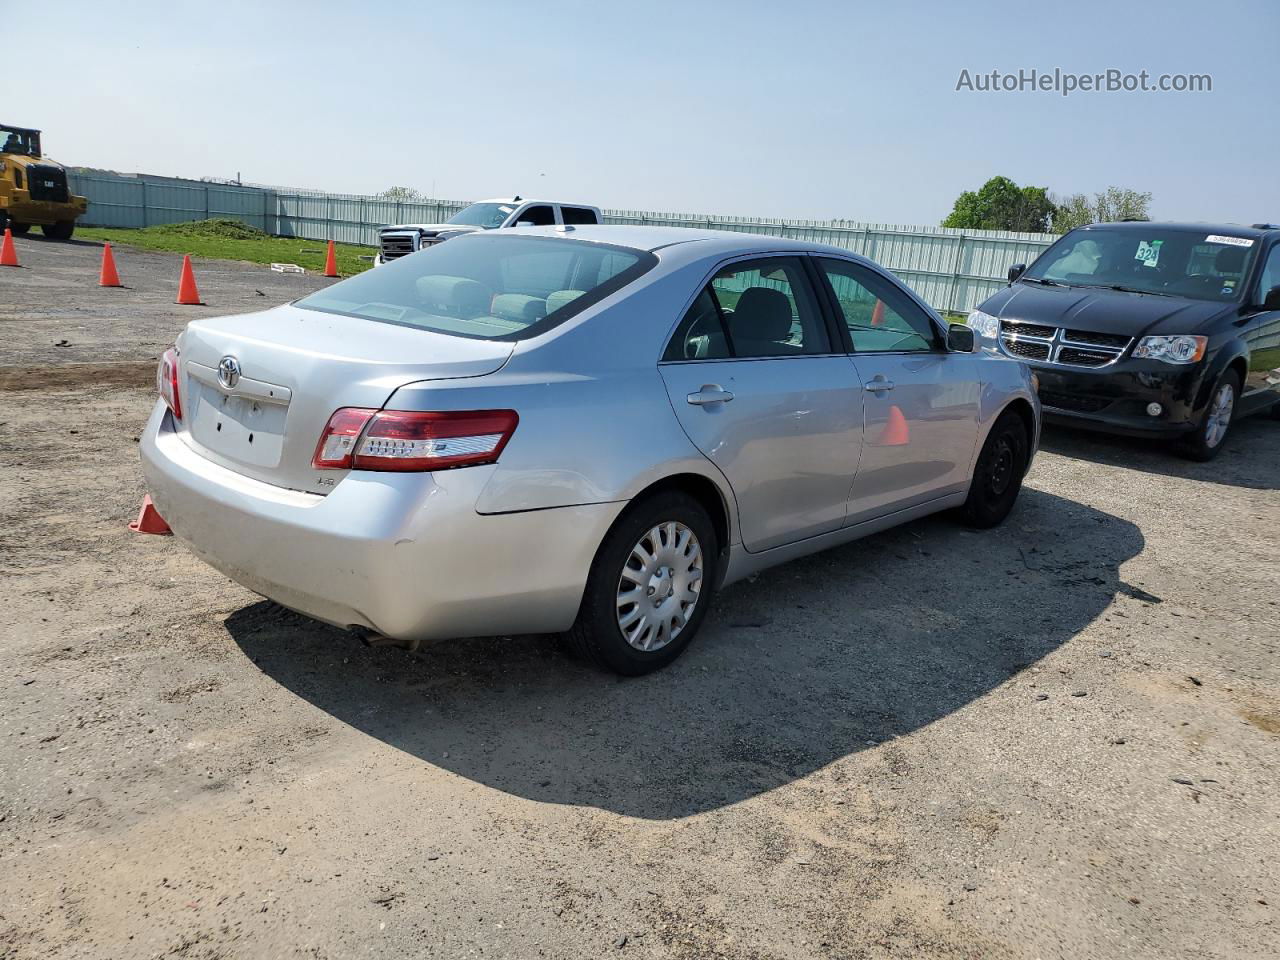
[(1275, 411), (62, 230), (19, 229), (596, 635), (997, 476), (1204, 443)]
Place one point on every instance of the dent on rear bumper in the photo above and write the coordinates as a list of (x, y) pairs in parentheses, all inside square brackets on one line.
[(403, 554)]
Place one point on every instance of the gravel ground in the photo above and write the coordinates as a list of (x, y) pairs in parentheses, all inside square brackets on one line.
[(1055, 739)]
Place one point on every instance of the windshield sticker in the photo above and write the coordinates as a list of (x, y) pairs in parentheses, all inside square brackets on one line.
[(504, 208), (1234, 241), (1149, 253)]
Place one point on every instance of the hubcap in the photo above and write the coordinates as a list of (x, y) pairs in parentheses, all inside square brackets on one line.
[(659, 586), (1219, 417)]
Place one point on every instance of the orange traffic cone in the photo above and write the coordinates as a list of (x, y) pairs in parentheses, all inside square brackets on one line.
[(896, 432), (149, 519), (8, 255), (108, 277), (877, 313), (331, 262), (187, 292)]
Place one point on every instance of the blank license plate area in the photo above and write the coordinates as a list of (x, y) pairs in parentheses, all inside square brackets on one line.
[(238, 427)]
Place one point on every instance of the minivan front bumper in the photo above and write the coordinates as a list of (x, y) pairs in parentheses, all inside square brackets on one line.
[(405, 555), (1116, 398)]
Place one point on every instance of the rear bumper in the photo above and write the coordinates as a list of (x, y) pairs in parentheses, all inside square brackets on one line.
[(405, 555), (1115, 399)]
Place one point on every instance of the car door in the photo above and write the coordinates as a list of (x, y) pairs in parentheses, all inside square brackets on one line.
[(759, 388), (921, 402), (1262, 334)]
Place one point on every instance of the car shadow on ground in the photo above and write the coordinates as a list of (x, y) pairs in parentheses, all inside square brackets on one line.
[(802, 665), (1250, 460)]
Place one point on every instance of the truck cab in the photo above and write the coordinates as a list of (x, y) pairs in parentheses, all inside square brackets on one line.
[(33, 189), (498, 214)]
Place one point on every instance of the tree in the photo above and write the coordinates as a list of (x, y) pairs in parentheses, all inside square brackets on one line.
[(1000, 204), (1114, 203), (405, 194)]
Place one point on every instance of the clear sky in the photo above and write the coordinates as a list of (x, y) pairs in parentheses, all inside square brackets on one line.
[(799, 109)]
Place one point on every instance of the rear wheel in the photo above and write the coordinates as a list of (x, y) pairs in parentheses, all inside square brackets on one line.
[(997, 477), (19, 228), (62, 230), (1207, 440), (649, 587)]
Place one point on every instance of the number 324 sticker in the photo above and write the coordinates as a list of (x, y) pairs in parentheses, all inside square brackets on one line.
[(1149, 252)]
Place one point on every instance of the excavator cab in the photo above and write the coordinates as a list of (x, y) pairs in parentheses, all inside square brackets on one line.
[(33, 189)]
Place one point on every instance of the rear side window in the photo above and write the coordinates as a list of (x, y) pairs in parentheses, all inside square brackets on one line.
[(578, 215), (492, 286), (752, 309)]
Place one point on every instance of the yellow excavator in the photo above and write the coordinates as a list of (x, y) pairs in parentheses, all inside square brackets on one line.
[(33, 189)]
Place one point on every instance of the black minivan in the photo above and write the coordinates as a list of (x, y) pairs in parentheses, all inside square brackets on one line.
[(1148, 329)]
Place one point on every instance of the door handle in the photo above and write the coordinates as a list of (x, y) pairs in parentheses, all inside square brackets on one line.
[(878, 384), (710, 393)]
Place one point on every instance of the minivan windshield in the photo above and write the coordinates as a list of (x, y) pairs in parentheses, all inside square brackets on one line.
[(486, 215), (1203, 264), (489, 286)]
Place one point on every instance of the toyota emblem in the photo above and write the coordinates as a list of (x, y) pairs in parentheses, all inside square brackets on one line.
[(228, 372)]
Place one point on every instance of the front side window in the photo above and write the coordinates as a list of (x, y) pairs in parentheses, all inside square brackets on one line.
[(486, 215), (1270, 274), (540, 215), (1196, 264), (498, 286), (880, 317)]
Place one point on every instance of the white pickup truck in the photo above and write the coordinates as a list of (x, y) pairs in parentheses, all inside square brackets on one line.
[(395, 242)]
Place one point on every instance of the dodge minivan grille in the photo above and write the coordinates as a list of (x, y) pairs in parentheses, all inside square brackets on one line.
[(1070, 348)]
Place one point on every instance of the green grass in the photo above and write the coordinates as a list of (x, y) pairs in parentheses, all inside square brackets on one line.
[(232, 240)]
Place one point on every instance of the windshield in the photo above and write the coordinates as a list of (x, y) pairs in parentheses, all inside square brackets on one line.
[(487, 215), (25, 143), (1196, 264), (486, 286)]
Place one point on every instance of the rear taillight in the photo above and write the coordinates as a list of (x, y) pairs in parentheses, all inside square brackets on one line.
[(167, 381), (358, 438)]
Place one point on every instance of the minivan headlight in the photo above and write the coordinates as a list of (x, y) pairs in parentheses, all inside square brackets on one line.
[(1181, 349), (983, 324)]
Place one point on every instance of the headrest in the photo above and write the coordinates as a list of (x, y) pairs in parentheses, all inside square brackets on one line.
[(518, 306), (457, 293), (558, 299), (761, 314), (1230, 259)]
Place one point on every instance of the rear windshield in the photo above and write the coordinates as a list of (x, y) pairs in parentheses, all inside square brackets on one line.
[(1199, 265), (486, 286)]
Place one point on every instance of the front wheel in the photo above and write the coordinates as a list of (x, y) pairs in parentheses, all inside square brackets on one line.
[(1210, 434), (62, 230), (997, 477), (649, 587)]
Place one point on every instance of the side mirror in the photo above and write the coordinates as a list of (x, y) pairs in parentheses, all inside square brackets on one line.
[(1272, 300), (1017, 270), (525, 223), (960, 338)]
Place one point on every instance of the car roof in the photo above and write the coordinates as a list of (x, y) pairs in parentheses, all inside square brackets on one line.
[(650, 239), (570, 203), (1235, 229)]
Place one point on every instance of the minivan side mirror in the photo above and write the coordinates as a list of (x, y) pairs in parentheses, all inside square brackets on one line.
[(1272, 300), (1017, 270), (960, 338)]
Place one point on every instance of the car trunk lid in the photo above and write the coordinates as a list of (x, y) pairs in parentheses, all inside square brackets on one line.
[(257, 389)]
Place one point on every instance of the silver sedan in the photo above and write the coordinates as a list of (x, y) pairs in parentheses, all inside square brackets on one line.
[(582, 430)]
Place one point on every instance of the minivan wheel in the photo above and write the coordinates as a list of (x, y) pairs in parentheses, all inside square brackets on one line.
[(1209, 436), (997, 476), (649, 587)]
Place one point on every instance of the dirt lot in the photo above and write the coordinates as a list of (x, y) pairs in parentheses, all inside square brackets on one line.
[(1056, 739)]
